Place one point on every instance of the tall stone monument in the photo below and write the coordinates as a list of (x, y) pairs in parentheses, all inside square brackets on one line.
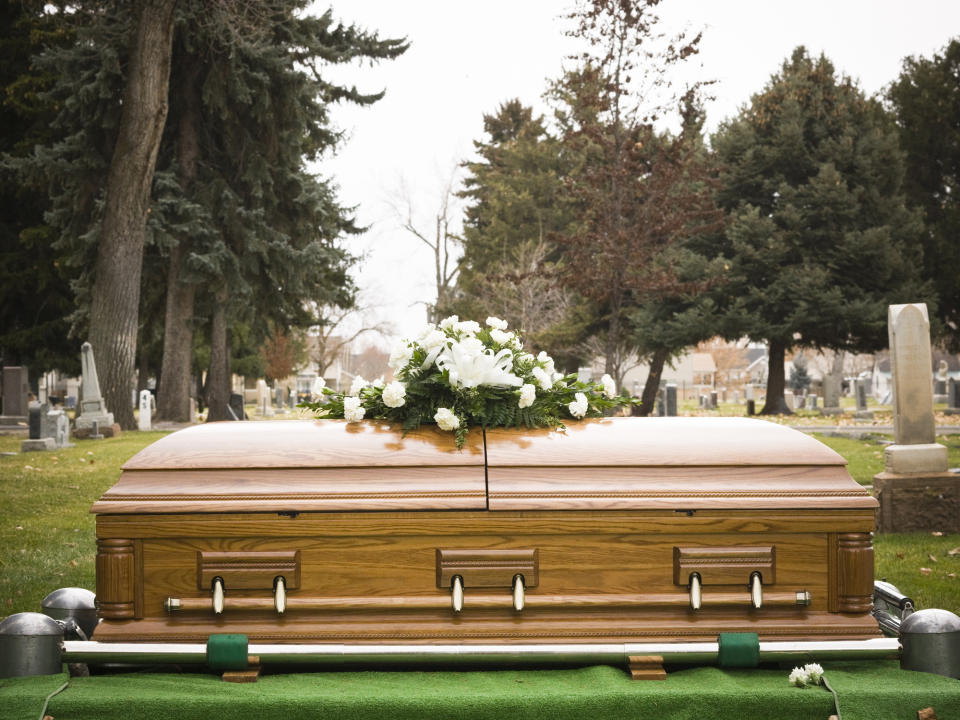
[(146, 407), (92, 408), (915, 490)]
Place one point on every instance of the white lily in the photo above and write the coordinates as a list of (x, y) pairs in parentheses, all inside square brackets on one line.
[(470, 365)]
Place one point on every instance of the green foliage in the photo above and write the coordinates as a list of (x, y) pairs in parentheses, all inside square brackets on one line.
[(461, 375), (926, 102), (799, 376)]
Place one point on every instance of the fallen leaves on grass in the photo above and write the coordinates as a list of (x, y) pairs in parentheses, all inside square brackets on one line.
[(925, 571), (931, 557), (937, 533), (900, 554), (955, 551)]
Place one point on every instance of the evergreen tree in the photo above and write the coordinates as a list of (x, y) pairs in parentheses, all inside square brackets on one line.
[(799, 376), (926, 102), (820, 239)]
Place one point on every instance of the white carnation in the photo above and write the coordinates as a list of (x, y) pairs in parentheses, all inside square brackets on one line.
[(353, 411), (400, 355), (469, 327), (448, 322), (578, 408), (527, 395), (543, 378), (798, 677), (433, 340), (394, 394), (501, 337), (609, 386), (357, 385), (497, 323), (446, 419), (547, 362)]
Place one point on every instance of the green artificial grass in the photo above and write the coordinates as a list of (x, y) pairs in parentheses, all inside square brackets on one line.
[(876, 690)]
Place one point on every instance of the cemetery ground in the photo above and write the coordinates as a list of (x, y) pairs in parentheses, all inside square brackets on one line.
[(47, 531)]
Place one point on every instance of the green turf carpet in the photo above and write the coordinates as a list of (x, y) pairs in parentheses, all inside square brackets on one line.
[(867, 691)]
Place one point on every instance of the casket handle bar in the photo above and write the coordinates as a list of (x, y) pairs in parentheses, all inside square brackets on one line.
[(696, 595), (518, 593), (456, 594), (756, 591), (280, 594), (217, 593)]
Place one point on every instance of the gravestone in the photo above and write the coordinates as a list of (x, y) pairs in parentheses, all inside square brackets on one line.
[(278, 396), (860, 386), (37, 440), (812, 401), (92, 408), (831, 394), (953, 395), (714, 398), (915, 490), (751, 407), (35, 421), (146, 408), (16, 391), (662, 402), (264, 406), (789, 399), (72, 393), (671, 392), (62, 431), (940, 384), (748, 392), (235, 407)]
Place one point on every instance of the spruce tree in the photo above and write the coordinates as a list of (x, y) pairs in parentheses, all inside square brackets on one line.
[(820, 239), (926, 102)]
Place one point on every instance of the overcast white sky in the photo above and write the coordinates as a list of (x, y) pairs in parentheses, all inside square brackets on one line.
[(468, 57)]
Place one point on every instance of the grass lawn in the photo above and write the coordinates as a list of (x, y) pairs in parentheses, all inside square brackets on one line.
[(47, 533)]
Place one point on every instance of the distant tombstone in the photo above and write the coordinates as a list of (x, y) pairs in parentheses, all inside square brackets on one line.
[(736, 397), (831, 394), (662, 403), (72, 393), (671, 393), (789, 399), (861, 392), (953, 393), (714, 397), (751, 407), (748, 392), (92, 408), (278, 395), (48, 421), (62, 432), (143, 421), (35, 421), (811, 401), (16, 390), (235, 407), (193, 409)]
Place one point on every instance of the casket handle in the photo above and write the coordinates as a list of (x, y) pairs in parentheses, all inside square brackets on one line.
[(280, 594), (518, 594), (456, 593), (696, 595), (217, 593), (756, 591)]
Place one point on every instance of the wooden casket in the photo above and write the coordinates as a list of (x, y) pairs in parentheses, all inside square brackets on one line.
[(614, 530)]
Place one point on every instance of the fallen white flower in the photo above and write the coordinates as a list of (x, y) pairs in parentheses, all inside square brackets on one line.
[(446, 419), (578, 408), (394, 394), (814, 673), (798, 677)]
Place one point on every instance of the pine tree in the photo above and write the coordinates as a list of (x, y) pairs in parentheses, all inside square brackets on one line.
[(820, 239), (926, 102)]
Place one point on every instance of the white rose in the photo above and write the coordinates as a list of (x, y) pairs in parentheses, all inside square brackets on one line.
[(497, 323), (578, 408), (543, 378), (501, 337), (448, 322), (446, 419), (400, 355), (527, 395), (394, 394), (469, 327), (357, 385), (353, 411), (609, 386)]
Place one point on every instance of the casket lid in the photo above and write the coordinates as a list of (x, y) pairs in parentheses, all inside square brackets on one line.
[(610, 463)]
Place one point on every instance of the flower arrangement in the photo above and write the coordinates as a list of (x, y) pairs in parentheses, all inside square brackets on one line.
[(458, 374)]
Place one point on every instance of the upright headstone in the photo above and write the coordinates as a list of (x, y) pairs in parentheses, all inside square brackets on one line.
[(193, 410), (72, 393), (48, 421), (37, 440), (940, 384), (812, 401), (860, 390), (748, 392), (278, 395), (662, 402), (953, 393), (790, 399), (671, 393), (92, 408), (16, 391), (831, 394), (35, 421), (915, 490), (62, 436), (263, 399), (714, 399), (235, 407), (146, 408)]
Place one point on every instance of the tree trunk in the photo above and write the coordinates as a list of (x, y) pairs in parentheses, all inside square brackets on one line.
[(218, 377), (652, 385), (776, 381), (115, 298), (173, 396)]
